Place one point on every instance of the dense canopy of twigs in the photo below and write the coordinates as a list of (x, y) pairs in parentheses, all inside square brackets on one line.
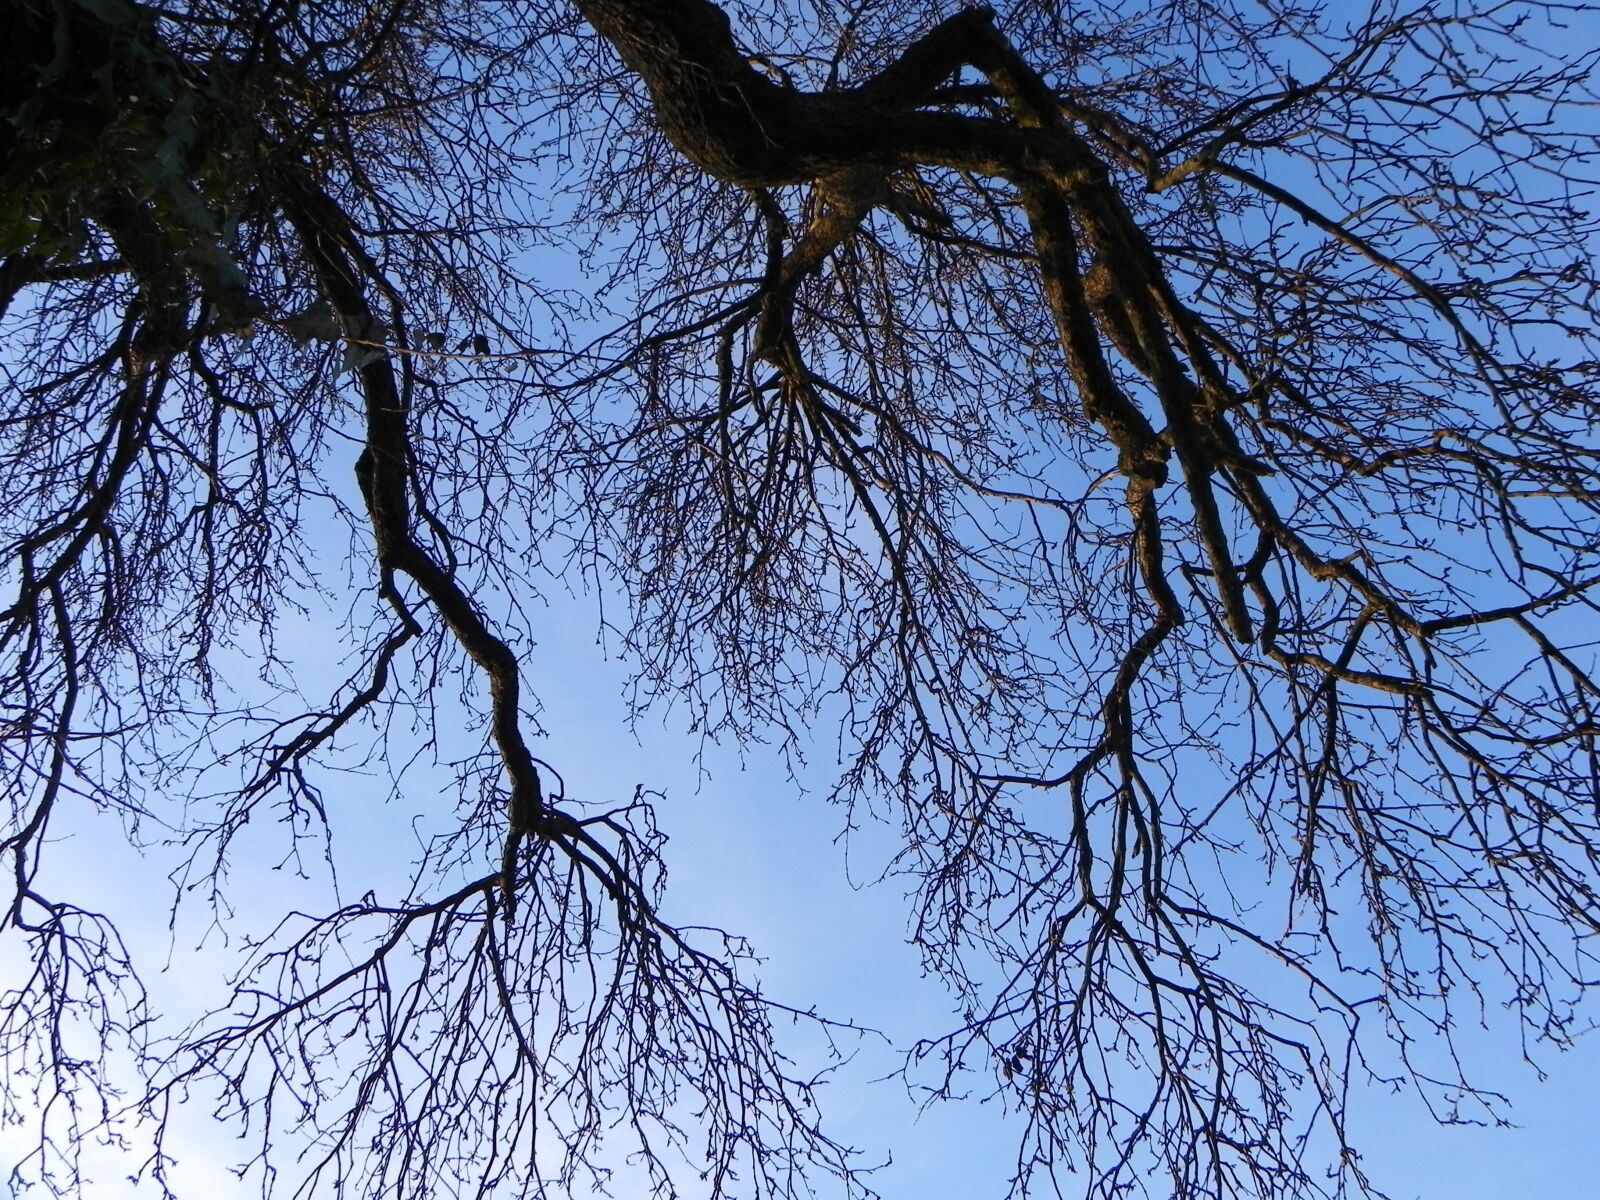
[(1160, 435)]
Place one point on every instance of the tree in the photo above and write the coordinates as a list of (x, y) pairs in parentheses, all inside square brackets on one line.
[(1160, 439)]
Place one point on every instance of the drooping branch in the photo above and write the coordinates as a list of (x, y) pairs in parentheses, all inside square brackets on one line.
[(741, 127), (384, 471)]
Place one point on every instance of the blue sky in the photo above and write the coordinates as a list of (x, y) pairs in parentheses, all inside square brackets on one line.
[(755, 851), (752, 853)]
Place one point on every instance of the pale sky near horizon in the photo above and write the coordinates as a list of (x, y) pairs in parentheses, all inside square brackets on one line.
[(752, 855)]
